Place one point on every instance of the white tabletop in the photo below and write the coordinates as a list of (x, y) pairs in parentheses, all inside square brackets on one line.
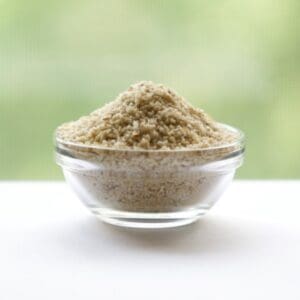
[(247, 247)]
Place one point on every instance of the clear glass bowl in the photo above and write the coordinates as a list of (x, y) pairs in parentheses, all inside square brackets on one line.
[(149, 188)]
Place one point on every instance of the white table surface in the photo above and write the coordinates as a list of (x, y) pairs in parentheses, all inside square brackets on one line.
[(247, 247)]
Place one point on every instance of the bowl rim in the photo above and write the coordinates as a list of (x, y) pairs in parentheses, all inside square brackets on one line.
[(240, 141)]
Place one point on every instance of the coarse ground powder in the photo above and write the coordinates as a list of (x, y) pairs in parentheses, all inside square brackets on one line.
[(112, 157), (147, 116)]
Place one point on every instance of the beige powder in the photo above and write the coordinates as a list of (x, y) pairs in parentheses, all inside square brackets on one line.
[(107, 174), (147, 116)]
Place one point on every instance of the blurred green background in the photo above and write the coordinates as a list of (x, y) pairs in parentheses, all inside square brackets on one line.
[(239, 60)]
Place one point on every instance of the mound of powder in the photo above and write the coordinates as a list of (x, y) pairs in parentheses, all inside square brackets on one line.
[(147, 116)]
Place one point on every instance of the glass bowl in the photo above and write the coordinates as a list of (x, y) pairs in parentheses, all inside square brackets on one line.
[(149, 188)]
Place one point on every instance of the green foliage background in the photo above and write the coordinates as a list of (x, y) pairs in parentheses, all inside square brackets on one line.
[(239, 60)]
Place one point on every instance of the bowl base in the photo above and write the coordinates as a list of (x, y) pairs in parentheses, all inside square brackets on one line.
[(148, 220)]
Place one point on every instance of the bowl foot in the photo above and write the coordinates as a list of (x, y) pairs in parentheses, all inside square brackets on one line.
[(148, 220)]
